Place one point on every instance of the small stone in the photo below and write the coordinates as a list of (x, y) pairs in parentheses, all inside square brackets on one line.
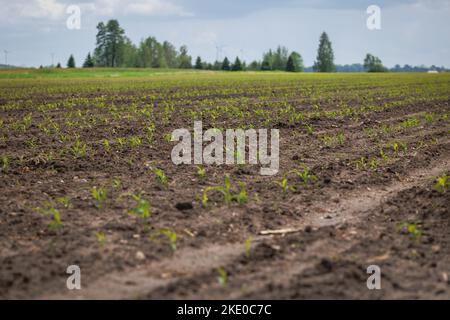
[(436, 248), (140, 255)]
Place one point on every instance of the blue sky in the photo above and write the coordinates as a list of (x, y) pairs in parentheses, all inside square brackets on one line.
[(412, 31)]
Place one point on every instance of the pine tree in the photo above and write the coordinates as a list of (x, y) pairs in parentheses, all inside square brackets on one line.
[(58, 66), (237, 65), (198, 63), (88, 62), (325, 57), (226, 64), (71, 62), (109, 46)]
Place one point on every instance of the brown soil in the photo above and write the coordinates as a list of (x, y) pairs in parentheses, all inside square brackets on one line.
[(342, 223)]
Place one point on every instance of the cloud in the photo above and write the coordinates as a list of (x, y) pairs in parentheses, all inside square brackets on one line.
[(22, 11), (42, 9), (138, 7), (155, 7)]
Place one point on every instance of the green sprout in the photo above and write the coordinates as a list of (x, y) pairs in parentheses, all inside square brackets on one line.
[(116, 183), (100, 236), (442, 183), (283, 184), (227, 193), (134, 141), (242, 197), (248, 246), (168, 137), (172, 236), (106, 145), (5, 163), (99, 195), (160, 176), (201, 172), (222, 278), (79, 148), (55, 223), (373, 164), (305, 175), (382, 154), (411, 229), (341, 138), (395, 147), (404, 146), (361, 163), (65, 201), (141, 209)]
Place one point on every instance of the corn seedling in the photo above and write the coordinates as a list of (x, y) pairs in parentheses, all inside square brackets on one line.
[(242, 197), (65, 201), (141, 209), (106, 145), (247, 246), (361, 163), (227, 193), (26, 122), (327, 140), (55, 223), (79, 148), (410, 122), (99, 195), (309, 129), (305, 175), (411, 229), (168, 137), (222, 277), (442, 183), (382, 154), (283, 184), (395, 147), (116, 183), (404, 146), (134, 142), (373, 164), (120, 142), (160, 176), (201, 172), (341, 138), (100, 236), (172, 236), (5, 163)]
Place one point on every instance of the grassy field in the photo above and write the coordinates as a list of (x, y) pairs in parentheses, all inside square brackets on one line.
[(86, 178), (86, 73)]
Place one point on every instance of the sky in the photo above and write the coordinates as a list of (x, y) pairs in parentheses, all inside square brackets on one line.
[(414, 32)]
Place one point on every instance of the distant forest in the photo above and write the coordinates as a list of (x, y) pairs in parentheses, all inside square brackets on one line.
[(114, 49)]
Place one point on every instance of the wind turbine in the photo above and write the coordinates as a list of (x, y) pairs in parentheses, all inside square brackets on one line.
[(219, 49), (242, 54), (6, 56)]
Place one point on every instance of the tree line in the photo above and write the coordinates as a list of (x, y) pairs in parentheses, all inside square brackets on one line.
[(114, 49)]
